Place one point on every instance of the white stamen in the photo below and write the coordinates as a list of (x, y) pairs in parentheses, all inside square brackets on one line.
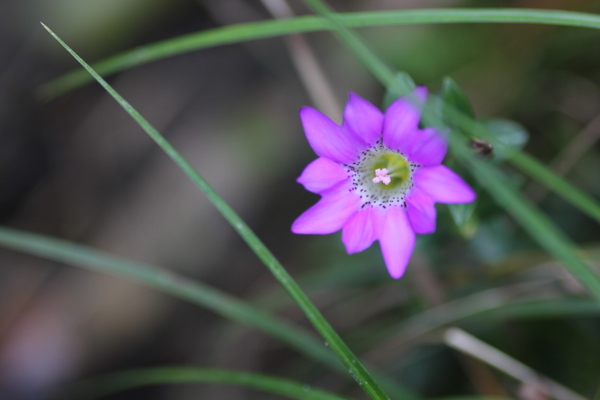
[(381, 175)]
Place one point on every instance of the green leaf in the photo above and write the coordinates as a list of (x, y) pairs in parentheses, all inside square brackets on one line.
[(265, 29), (109, 384), (453, 95), (462, 214), (356, 369), (514, 137), (509, 137), (403, 85)]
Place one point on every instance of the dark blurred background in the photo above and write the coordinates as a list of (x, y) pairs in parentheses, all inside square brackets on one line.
[(80, 169)]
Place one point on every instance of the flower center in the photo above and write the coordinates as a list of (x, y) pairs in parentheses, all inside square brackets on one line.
[(393, 169), (382, 176)]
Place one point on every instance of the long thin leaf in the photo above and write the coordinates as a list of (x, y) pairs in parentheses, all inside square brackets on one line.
[(361, 50), (168, 282), (183, 288), (265, 29), (103, 386), (530, 166), (490, 305), (531, 219), (350, 361), (573, 195)]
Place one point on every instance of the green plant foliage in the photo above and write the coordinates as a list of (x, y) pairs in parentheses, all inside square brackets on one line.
[(510, 137), (103, 386), (259, 30), (355, 367)]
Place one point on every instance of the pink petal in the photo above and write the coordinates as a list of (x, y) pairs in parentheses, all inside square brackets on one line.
[(363, 119), (443, 185), (321, 174), (421, 211), (331, 213), (361, 231), (428, 147), (397, 240), (328, 139), (401, 119)]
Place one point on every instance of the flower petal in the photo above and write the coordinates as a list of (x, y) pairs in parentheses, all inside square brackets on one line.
[(361, 231), (397, 240), (363, 119), (421, 211), (328, 139), (401, 119), (443, 185), (331, 213), (321, 174), (428, 147)]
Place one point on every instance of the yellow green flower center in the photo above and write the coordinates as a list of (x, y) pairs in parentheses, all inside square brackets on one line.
[(396, 167), (382, 176)]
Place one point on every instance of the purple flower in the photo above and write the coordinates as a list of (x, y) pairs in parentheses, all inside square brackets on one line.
[(379, 176)]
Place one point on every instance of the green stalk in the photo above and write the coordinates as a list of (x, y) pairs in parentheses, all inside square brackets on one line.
[(168, 282), (332, 339), (185, 289), (531, 219), (272, 28), (573, 195), (356, 44), (106, 385)]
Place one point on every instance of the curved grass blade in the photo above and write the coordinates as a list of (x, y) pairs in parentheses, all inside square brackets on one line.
[(105, 385), (354, 366), (167, 282), (503, 303), (523, 161), (533, 221), (272, 28), (395, 87), (573, 195), (473, 398), (550, 308), (182, 288)]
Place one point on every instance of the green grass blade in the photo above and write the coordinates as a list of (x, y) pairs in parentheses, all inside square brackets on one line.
[(546, 308), (362, 51), (167, 282), (533, 221), (183, 288), (354, 366), (265, 29), (103, 386), (539, 172), (490, 308), (474, 397)]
